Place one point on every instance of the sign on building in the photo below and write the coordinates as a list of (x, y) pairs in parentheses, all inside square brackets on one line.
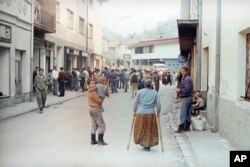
[(5, 33)]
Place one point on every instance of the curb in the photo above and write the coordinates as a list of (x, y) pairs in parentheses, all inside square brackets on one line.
[(182, 140), (36, 109)]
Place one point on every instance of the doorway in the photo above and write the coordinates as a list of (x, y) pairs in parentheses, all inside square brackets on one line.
[(18, 73)]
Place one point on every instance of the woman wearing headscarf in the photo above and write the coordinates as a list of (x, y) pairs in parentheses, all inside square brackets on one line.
[(146, 129)]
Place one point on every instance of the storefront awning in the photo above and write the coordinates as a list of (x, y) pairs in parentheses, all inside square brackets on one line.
[(187, 34)]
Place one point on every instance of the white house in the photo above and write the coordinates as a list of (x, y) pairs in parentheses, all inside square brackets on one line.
[(145, 53)]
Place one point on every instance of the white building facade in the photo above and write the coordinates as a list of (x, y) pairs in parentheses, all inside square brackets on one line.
[(145, 53), (16, 38), (226, 55), (224, 64), (73, 46)]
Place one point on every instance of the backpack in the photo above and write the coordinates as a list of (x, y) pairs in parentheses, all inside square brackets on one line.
[(134, 79)]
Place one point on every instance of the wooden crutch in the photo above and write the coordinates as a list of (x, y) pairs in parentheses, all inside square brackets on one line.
[(159, 130), (132, 127)]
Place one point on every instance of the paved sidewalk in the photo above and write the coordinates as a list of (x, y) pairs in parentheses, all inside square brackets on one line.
[(200, 148), (27, 107)]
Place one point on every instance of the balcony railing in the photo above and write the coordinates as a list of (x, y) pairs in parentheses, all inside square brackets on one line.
[(45, 20)]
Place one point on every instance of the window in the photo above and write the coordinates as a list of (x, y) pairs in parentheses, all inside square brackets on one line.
[(91, 31), (81, 26), (247, 84), (70, 19), (58, 12), (151, 49), (146, 49), (139, 50)]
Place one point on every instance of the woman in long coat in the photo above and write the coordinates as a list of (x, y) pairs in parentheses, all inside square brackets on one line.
[(146, 129)]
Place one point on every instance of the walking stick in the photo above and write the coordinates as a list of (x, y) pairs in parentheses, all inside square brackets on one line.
[(160, 134), (131, 131)]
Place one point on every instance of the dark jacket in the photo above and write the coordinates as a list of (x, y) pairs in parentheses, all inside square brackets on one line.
[(61, 76), (186, 87)]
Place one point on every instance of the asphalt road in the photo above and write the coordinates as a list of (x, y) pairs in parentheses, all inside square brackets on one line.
[(60, 137)]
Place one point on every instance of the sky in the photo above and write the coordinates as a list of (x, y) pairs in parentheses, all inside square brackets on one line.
[(133, 16)]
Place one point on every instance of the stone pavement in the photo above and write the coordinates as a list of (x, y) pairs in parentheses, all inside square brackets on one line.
[(199, 148), (27, 107)]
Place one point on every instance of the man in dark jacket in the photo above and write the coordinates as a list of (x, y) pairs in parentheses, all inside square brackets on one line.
[(185, 93), (61, 80)]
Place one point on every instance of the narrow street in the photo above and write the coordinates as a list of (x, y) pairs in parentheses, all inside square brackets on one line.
[(61, 137)]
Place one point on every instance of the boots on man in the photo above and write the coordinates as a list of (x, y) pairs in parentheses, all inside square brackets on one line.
[(100, 140), (93, 139), (187, 127), (181, 128)]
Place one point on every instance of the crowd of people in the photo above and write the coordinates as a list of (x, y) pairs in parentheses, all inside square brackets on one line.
[(144, 85)]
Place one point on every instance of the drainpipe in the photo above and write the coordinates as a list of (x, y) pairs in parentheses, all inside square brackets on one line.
[(31, 50), (214, 128), (198, 47)]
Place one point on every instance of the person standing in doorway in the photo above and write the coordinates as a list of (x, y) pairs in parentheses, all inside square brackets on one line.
[(185, 93), (41, 82), (61, 80)]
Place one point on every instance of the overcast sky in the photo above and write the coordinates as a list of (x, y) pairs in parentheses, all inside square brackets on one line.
[(143, 14)]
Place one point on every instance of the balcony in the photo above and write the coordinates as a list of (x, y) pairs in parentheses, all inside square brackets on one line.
[(45, 16)]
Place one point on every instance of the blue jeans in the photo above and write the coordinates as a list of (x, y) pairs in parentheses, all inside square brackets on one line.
[(61, 88), (113, 85), (75, 84), (186, 110)]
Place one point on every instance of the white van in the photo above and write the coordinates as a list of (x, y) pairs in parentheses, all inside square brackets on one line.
[(159, 67)]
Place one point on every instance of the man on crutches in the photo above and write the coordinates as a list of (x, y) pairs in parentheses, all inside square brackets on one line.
[(146, 120)]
